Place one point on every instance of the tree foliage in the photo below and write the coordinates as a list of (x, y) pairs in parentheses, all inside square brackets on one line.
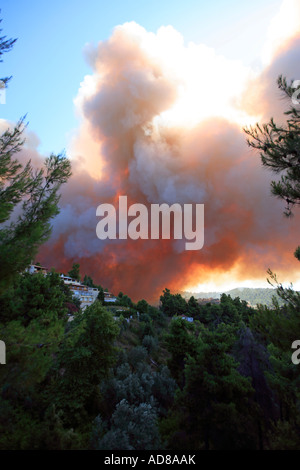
[(278, 325), (74, 272), (280, 150), (28, 199), (5, 46)]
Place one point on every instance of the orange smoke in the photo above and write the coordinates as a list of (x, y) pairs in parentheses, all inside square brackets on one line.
[(131, 142)]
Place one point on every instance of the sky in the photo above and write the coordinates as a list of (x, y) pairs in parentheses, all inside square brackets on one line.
[(149, 99), (48, 64)]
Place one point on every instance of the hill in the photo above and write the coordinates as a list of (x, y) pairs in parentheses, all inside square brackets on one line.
[(252, 295)]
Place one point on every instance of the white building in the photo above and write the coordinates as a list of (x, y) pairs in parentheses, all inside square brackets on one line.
[(36, 268), (109, 297), (87, 295)]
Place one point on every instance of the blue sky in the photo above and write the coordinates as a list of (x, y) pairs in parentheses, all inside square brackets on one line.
[(48, 65)]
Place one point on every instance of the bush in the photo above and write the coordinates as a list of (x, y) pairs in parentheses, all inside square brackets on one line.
[(137, 355), (150, 343), (133, 428)]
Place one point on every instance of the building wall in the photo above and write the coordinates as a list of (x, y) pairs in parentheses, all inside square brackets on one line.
[(87, 295)]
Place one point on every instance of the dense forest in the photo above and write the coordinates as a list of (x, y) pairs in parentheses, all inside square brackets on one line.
[(181, 376)]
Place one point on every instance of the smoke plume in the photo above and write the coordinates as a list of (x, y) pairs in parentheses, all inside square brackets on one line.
[(161, 122)]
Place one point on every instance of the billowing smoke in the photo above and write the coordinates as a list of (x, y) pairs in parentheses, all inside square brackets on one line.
[(161, 122)]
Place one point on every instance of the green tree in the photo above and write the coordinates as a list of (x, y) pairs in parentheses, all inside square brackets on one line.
[(125, 301), (21, 239), (256, 364), (32, 324), (74, 273), (142, 306), (88, 281), (137, 386), (180, 342), (32, 320), (172, 304), (279, 148), (5, 46), (193, 308), (134, 427), (22, 235), (229, 307), (212, 410), (277, 326), (100, 296), (84, 359)]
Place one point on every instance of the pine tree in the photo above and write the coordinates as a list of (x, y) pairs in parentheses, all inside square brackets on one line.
[(38, 191), (279, 148), (180, 342), (75, 272), (21, 237), (212, 410), (278, 326), (5, 46), (84, 359)]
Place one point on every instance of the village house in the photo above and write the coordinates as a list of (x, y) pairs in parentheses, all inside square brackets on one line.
[(87, 295), (109, 297)]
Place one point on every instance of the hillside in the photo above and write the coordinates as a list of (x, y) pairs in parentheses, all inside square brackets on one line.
[(252, 295)]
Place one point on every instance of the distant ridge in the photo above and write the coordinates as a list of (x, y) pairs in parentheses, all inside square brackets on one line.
[(252, 295)]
